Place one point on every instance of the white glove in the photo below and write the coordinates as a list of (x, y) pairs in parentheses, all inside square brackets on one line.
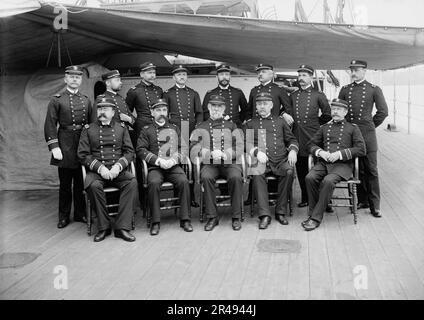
[(288, 118), (262, 158), (57, 153)]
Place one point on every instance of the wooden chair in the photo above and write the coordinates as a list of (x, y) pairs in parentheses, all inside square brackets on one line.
[(219, 183), (350, 185), (272, 194), (166, 186), (111, 194)]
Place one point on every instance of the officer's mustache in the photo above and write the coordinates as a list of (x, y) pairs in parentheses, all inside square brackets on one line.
[(102, 115)]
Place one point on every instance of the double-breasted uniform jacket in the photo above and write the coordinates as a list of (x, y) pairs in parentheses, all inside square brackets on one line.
[(71, 111), (105, 145), (272, 136), (217, 134), (157, 141), (121, 107), (235, 104), (140, 98), (341, 136), (184, 105), (306, 105), (280, 98), (361, 98)]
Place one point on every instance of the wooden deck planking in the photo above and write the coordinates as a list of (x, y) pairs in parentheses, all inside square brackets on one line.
[(225, 264)]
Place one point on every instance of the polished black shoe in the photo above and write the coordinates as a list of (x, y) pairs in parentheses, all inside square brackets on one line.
[(186, 225), (154, 229), (212, 223), (63, 223), (264, 222), (82, 219), (236, 224), (362, 205), (302, 204), (281, 219), (311, 225), (101, 235), (376, 213), (329, 209), (194, 204), (124, 235)]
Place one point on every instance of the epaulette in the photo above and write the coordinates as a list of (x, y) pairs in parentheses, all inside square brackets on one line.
[(166, 91), (133, 88), (373, 85), (209, 91), (87, 126), (122, 125), (57, 95), (145, 127)]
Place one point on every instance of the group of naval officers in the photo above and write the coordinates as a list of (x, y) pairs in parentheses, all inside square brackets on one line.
[(275, 128)]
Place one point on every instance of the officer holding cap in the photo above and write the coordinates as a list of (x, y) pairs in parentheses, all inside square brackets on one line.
[(71, 110), (335, 144)]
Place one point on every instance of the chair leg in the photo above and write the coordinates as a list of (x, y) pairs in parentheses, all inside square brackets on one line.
[(355, 202), (252, 197), (242, 208), (88, 210), (201, 204)]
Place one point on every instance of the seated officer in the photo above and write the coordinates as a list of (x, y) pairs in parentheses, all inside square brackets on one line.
[(335, 144), (158, 145), (105, 149), (270, 140), (219, 140)]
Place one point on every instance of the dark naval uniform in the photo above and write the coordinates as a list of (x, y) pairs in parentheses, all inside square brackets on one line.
[(272, 136), (140, 98), (339, 136), (361, 98), (155, 142), (106, 145), (71, 111), (305, 112), (235, 104), (213, 135), (280, 98), (121, 107), (184, 105)]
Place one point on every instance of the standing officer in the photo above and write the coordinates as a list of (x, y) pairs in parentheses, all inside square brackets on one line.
[(105, 149), (307, 103), (361, 96), (280, 98), (336, 144), (71, 110), (184, 103), (158, 145), (270, 140), (113, 83), (142, 96), (235, 101), (221, 141)]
